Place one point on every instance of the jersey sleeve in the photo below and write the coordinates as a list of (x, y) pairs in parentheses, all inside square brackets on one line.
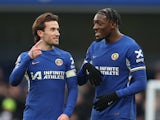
[(81, 75), (71, 80), (19, 70), (137, 78)]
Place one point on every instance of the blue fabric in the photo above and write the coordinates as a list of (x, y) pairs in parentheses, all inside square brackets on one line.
[(123, 68), (47, 81)]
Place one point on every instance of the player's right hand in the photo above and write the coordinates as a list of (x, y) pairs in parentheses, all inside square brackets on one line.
[(63, 117), (94, 75), (35, 51)]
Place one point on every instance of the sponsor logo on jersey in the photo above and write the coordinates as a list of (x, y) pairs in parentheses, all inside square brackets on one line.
[(139, 53), (139, 56), (39, 75), (106, 70), (59, 62), (115, 56)]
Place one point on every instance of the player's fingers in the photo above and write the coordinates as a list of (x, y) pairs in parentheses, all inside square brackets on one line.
[(99, 106), (96, 82), (98, 79), (99, 97), (38, 43), (34, 54), (36, 49), (37, 52), (91, 81), (96, 105), (102, 108)]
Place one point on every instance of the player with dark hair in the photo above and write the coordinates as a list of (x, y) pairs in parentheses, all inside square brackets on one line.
[(49, 70), (114, 64)]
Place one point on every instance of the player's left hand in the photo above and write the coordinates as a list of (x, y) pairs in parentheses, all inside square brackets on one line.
[(63, 117), (105, 101)]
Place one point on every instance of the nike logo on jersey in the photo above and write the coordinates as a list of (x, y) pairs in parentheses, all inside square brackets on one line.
[(33, 63), (93, 56)]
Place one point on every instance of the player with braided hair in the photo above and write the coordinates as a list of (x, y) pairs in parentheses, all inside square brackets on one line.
[(114, 64)]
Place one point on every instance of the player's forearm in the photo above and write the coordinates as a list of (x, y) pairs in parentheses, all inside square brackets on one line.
[(72, 97), (19, 71), (138, 84), (71, 102)]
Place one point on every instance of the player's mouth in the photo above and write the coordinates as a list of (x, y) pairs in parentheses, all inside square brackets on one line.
[(56, 39), (97, 34)]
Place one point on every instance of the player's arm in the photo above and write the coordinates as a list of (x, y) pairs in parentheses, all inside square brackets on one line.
[(72, 87), (136, 84), (19, 70), (23, 62), (89, 72), (138, 73)]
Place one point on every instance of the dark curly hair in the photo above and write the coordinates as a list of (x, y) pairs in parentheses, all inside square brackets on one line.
[(111, 15)]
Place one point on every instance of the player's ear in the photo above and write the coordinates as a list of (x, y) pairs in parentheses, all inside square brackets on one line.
[(40, 33), (113, 24)]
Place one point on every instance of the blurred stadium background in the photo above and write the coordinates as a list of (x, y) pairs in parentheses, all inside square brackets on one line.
[(140, 20)]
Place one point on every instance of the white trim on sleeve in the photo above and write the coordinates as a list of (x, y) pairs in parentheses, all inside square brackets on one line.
[(71, 73)]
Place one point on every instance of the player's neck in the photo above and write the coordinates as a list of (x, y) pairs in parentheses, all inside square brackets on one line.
[(115, 37), (46, 47)]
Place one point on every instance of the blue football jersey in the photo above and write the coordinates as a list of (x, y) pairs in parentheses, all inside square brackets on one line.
[(47, 75), (122, 66)]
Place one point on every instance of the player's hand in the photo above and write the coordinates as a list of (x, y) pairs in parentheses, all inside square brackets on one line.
[(104, 101), (94, 75), (35, 51), (63, 117)]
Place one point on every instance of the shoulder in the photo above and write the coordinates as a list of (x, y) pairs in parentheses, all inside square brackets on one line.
[(129, 41), (95, 44), (23, 54), (21, 57), (132, 47), (62, 52)]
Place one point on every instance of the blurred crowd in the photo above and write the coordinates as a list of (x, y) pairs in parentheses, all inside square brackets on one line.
[(12, 100)]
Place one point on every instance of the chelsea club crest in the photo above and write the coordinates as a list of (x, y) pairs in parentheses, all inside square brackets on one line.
[(115, 56), (59, 62)]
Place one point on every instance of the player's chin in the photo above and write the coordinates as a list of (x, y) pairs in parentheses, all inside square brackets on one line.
[(98, 39), (56, 44)]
